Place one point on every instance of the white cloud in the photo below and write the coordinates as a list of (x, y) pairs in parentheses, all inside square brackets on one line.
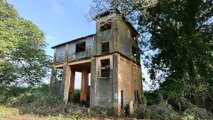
[(58, 8)]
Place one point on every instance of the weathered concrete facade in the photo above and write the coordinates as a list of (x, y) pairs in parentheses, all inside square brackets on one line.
[(111, 56)]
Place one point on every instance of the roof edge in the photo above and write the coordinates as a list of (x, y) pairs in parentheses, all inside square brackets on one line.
[(74, 40)]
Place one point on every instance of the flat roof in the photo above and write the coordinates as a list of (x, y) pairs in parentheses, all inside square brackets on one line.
[(74, 40)]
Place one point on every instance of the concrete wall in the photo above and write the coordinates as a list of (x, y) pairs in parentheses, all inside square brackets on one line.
[(119, 37), (60, 55), (125, 40), (129, 80), (106, 36), (67, 52), (72, 55), (103, 88)]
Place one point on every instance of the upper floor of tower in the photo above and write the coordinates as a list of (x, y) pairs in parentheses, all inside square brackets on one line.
[(114, 34)]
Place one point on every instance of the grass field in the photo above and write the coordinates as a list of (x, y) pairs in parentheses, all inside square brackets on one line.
[(7, 113)]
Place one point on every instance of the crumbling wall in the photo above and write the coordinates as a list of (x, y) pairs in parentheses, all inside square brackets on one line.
[(126, 41), (73, 55), (101, 90), (129, 81)]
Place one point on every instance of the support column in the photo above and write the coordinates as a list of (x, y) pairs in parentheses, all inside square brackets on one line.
[(72, 85), (52, 89), (84, 86), (66, 77), (93, 98), (115, 83)]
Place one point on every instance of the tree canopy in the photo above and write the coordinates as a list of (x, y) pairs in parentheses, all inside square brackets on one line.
[(22, 55), (179, 34)]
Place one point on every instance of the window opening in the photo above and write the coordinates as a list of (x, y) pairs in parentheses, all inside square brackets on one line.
[(122, 99), (105, 68), (80, 47), (105, 26), (136, 95), (105, 47), (134, 36), (134, 51)]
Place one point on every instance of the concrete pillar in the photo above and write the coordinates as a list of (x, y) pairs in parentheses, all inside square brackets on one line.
[(115, 83), (72, 85), (53, 90), (93, 100), (84, 85), (66, 77)]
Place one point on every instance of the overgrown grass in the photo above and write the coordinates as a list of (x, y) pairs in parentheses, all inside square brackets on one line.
[(30, 103), (15, 114), (37, 103)]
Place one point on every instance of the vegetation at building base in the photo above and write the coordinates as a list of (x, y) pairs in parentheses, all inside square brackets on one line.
[(180, 36), (37, 102)]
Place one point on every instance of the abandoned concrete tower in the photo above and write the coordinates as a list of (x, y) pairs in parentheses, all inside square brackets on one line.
[(112, 58)]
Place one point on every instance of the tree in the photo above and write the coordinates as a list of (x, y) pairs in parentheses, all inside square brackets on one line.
[(22, 55), (181, 41)]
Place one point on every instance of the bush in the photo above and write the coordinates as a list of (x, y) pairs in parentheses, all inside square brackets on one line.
[(163, 111), (197, 113), (141, 112), (100, 111), (179, 104), (10, 92)]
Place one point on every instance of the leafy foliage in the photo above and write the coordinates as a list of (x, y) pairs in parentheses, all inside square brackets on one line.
[(22, 55), (177, 46)]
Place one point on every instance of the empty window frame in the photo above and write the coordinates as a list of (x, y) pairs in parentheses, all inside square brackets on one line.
[(105, 48), (105, 68), (105, 26), (136, 96), (122, 99), (134, 51), (80, 47), (134, 36)]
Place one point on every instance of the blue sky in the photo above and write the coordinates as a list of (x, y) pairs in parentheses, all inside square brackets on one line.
[(60, 20)]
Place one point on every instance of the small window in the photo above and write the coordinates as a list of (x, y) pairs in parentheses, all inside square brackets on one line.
[(105, 68), (136, 96), (134, 36), (80, 47), (134, 51), (122, 99), (105, 26), (105, 47)]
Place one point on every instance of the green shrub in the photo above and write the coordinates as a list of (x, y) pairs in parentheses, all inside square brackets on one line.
[(152, 97), (197, 113), (179, 104), (163, 111), (141, 112), (100, 111)]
